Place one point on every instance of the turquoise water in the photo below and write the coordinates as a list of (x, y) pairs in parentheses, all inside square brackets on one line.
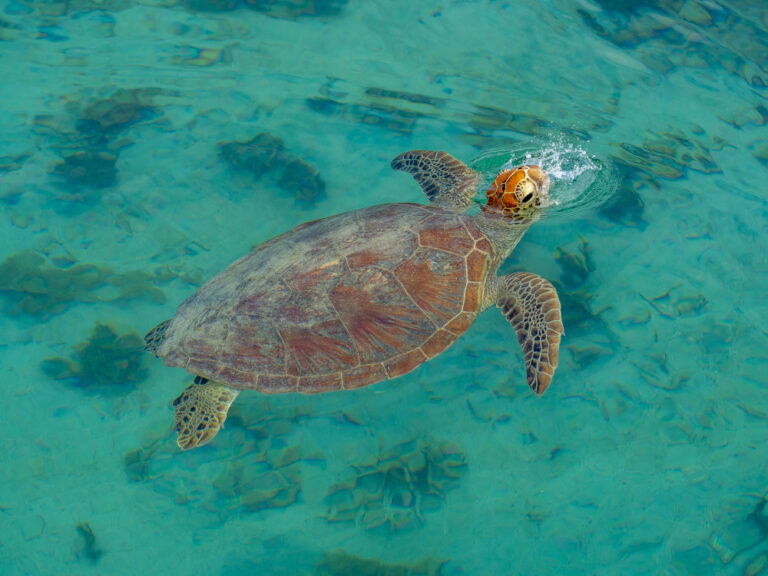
[(123, 189)]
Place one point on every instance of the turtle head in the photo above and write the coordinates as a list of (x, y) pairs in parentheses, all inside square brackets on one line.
[(518, 192)]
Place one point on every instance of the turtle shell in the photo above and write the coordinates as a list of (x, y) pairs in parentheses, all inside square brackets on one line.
[(337, 303)]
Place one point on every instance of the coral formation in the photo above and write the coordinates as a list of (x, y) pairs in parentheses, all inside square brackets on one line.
[(671, 304), (627, 206), (293, 9), (670, 154), (386, 117), (87, 167), (760, 152), (399, 487), (666, 34), (252, 488), (35, 286), (260, 154), (107, 117), (576, 306), (398, 111), (302, 180), (576, 266), (90, 152), (265, 152), (258, 464), (88, 549), (12, 163), (211, 5), (660, 156), (741, 542), (341, 563), (287, 9), (107, 360)]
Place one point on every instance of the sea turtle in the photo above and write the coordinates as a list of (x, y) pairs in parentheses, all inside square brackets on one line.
[(353, 299)]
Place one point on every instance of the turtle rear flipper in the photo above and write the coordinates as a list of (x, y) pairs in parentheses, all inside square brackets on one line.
[(201, 411), (532, 306), (445, 180)]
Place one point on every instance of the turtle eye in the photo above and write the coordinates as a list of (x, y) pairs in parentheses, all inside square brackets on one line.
[(527, 198)]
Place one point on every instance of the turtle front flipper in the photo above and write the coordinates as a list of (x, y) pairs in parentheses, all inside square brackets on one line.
[(445, 180), (201, 411), (531, 305)]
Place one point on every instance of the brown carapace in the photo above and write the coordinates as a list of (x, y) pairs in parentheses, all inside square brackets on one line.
[(515, 190), (360, 297)]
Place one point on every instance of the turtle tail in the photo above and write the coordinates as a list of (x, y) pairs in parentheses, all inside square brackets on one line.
[(155, 337)]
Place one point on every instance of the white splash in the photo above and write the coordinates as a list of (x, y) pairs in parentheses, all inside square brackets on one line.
[(578, 179)]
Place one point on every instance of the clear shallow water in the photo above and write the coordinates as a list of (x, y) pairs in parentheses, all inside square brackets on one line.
[(645, 456)]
